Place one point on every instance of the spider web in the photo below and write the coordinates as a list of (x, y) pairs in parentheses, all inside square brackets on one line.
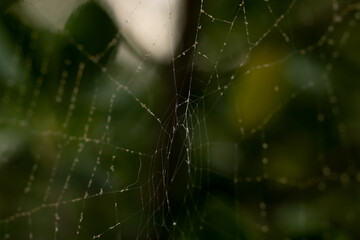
[(248, 132)]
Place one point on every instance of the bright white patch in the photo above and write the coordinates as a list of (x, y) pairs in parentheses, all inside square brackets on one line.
[(47, 14), (146, 23)]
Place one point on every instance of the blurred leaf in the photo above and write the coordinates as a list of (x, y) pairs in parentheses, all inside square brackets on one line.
[(91, 27)]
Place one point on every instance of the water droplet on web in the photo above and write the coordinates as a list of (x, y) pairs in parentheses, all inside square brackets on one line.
[(358, 176), (344, 178), (322, 186), (357, 15), (321, 117), (283, 180), (264, 228)]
